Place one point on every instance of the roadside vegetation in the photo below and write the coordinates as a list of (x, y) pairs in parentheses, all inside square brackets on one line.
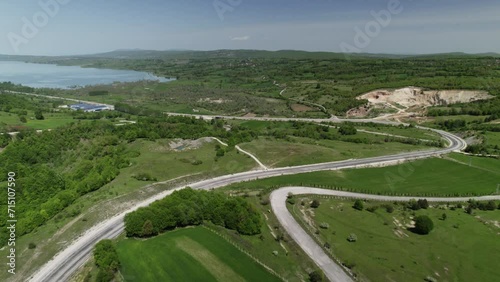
[(188, 207)]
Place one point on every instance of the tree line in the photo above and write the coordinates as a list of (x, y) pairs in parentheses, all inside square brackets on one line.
[(190, 207)]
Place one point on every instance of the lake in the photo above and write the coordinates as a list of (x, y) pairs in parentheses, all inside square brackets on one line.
[(66, 77)]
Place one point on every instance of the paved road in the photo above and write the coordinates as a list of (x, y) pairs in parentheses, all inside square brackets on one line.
[(332, 270), (65, 263)]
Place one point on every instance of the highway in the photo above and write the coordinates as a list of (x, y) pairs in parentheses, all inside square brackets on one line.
[(66, 262)]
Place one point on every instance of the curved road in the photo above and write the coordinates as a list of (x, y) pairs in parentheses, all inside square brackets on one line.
[(66, 262)]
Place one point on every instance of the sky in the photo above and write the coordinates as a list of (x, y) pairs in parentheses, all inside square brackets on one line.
[(72, 27)]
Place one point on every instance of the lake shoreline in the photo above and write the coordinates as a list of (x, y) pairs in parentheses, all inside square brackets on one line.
[(38, 75)]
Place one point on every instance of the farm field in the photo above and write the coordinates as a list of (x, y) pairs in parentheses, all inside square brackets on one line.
[(190, 254), (424, 177), (462, 247)]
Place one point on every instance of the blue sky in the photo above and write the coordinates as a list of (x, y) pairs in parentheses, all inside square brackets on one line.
[(92, 26)]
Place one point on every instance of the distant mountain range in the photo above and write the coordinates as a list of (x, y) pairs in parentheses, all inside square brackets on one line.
[(190, 54)]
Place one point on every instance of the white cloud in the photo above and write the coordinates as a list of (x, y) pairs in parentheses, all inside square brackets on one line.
[(240, 38)]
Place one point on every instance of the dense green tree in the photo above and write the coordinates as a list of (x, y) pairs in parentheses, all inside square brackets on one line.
[(316, 276), (106, 259), (189, 207), (39, 115), (423, 225), (347, 129), (315, 204)]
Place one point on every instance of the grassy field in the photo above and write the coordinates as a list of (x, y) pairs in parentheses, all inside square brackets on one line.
[(280, 153), (492, 138), (191, 254), (52, 120), (487, 164), (424, 177), (406, 132), (460, 248)]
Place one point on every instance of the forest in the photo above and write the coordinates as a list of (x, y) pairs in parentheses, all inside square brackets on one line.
[(188, 207)]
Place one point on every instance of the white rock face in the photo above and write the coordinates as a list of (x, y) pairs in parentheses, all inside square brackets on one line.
[(413, 96)]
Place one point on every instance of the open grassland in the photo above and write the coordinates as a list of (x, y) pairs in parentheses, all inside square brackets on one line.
[(52, 120), (492, 138), (191, 254), (280, 153), (487, 164), (437, 177), (406, 132), (158, 160), (462, 247)]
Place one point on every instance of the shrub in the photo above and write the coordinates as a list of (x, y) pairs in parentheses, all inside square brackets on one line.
[(143, 176), (389, 208), (423, 225), (106, 259), (358, 204), (315, 204), (349, 264), (31, 246), (316, 276), (196, 162), (347, 129), (324, 225), (372, 208), (352, 238), (423, 204)]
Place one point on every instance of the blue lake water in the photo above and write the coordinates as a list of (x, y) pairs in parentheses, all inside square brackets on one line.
[(65, 77)]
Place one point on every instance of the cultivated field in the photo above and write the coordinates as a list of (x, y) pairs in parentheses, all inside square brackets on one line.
[(191, 254)]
